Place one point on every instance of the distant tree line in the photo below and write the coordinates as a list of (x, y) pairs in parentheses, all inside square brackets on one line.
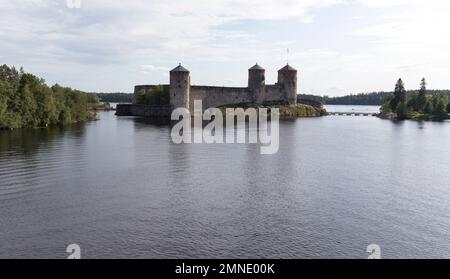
[(310, 97), (26, 101), (115, 97), (420, 104), (370, 99)]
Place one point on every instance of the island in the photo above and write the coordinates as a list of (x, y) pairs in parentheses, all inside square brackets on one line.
[(160, 100), (417, 106)]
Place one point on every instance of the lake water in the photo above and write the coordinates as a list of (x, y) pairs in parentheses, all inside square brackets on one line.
[(354, 109), (119, 188)]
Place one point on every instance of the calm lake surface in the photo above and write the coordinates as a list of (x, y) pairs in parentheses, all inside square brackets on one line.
[(119, 188)]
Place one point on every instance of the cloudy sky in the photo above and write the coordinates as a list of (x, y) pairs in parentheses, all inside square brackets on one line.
[(339, 46)]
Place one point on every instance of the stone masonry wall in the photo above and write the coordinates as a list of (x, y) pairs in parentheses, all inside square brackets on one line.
[(274, 93), (143, 110), (213, 96)]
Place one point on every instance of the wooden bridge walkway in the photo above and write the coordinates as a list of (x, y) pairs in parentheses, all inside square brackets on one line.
[(352, 113)]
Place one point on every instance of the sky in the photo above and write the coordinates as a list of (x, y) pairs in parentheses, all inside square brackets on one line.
[(338, 46)]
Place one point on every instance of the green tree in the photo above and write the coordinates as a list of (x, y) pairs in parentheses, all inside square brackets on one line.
[(46, 109), (440, 103), (92, 98), (422, 96), (26, 101), (3, 102), (412, 103), (386, 107), (27, 107), (399, 95), (402, 110), (429, 106), (155, 96)]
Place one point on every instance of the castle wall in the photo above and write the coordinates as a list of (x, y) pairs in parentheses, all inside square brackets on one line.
[(213, 96), (274, 93), (143, 110), (182, 94)]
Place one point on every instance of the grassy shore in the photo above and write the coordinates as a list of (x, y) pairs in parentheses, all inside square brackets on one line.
[(288, 111)]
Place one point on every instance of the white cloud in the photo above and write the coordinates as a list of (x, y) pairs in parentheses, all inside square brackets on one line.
[(112, 45), (413, 40), (152, 69), (38, 33)]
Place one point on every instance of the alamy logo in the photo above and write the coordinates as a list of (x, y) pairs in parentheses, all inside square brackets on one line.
[(74, 251), (374, 251), (213, 132), (73, 4)]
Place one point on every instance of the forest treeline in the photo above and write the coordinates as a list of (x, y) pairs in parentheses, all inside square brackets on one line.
[(369, 99), (420, 105), (27, 101), (115, 97)]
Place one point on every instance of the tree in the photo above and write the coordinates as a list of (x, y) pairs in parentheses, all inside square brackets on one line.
[(422, 96), (413, 102), (399, 95), (27, 107), (402, 110), (440, 102), (93, 98), (155, 96), (3, 102), (26, 101), (429, 107), (386, 107)]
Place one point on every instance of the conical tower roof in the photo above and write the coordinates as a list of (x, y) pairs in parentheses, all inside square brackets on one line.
[(287, 68), (180, 68), (257, 67)]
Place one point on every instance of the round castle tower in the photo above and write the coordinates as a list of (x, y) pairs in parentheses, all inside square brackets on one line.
[(180, 84), (287, 78), (257, 83)]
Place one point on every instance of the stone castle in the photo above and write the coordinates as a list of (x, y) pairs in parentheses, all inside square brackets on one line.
[(183, 94)]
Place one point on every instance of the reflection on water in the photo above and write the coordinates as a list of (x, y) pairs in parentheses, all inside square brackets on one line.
[(119, 188), (28, 141)]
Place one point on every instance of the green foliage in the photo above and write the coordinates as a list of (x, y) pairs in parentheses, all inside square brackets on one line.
[(115, 97), (412, 102), (422, 96), (314, 98), (371, 99), (428, 107), (440, 103), (418, 105), (399, 95), (26, 101), (402, 110), (155, 96), (386, 107), (92, 98), (300, 110)]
